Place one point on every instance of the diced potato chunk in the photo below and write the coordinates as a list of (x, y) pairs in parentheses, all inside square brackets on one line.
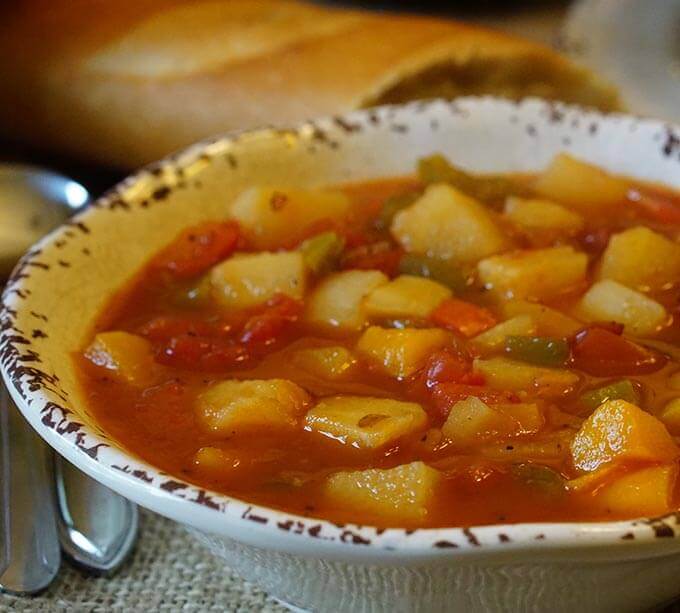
[(331, 363), (549, 322), (589, 482), (274, 217), (445, 223), (642, 259), (581, 186), (231, 407), (338, 301), (536, 273), (542, 216), (670, 416), (127, 357), (367, 423), (406, 296), (247, 280), (396, 494), (504, 374), (471, 421), (401, 352), (214, 460), (522, 325), (643, 493), (618, 431), (610, 301)]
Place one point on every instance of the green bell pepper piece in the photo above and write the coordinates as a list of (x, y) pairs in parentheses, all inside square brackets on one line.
[(432, 268), (392, 206), (541, 478), (322, 252), (538, 350), (490, 188), (619, 390)]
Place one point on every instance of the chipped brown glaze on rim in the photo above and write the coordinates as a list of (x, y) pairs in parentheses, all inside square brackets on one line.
[(38, 390)]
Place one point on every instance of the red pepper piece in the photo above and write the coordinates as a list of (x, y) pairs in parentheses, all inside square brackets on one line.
[(200, 247), (266, 326), (603, 353), (463, 317)]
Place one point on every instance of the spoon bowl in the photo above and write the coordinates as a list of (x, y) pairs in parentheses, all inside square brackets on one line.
[(33, 201)]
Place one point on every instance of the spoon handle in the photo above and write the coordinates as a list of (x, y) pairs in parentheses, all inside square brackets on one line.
[(34, 555), (97, 527)]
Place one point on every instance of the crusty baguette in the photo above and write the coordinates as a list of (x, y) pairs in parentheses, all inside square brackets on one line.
[(122, 83)]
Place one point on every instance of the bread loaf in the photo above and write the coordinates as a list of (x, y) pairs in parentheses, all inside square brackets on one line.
[(123, 83)]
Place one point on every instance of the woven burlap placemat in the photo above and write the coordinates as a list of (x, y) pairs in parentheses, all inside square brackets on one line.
[(168, 571)]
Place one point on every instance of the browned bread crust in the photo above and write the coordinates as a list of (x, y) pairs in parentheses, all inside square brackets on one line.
[(122, 83)]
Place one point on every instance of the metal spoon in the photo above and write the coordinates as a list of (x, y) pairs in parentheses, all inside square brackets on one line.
[(34, 556), (49, 501), (97, 528)]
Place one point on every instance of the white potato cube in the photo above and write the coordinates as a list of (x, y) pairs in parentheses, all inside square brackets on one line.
[(446, 224), (395, 495), (471, 421), (401, 352), (610, 301), (504, 374), (406, 296), (542, 216), (232, 407), (536, 273), (494, 338), (274, 217), (367, 423), (247, 280), (581, 186), (641, 259), (338, 301)]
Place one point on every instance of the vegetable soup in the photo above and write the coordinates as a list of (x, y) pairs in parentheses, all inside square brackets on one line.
[(447, 349)]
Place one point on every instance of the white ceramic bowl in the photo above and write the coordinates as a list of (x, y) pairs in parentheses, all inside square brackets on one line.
[(64, 281)]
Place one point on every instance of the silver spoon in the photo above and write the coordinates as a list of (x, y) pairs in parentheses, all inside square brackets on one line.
[(45, 503)]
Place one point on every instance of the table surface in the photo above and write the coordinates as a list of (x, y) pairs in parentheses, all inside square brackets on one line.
[(169, 570)]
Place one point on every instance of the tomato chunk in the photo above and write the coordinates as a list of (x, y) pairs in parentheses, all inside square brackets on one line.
[(201, 353), (200, 247), (380, 256), (445, 395), (602, 353), (164, 327), (464, 317), (661, 206), (266, 326), (446, 365)]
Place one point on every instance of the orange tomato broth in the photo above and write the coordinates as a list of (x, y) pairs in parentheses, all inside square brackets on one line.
[(286, 470)]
